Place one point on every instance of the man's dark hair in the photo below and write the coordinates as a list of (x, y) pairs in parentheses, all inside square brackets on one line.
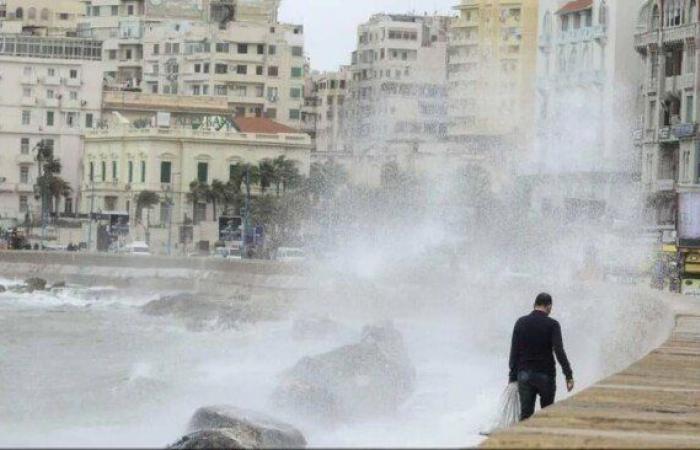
[(543, 299)]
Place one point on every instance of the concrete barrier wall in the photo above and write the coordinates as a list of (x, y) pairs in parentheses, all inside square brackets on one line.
[(152, 271)]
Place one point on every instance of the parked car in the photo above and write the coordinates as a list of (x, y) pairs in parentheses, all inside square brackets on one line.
[(228, 252), (290, 254), (138, 248)]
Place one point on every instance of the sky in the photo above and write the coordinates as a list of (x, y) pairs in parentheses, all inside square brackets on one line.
[(330, 26)]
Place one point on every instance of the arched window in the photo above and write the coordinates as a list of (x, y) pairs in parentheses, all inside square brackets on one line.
[(655, 18), (45, 14), (677, 13), (692, 12), (603, 14), (31, 13), (19, 13)]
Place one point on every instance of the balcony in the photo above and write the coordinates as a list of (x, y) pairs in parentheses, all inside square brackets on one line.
[(642, 40), (29, 79), (24, 188), (678, 34), (686, 81), (29, 101), (52, 80), (684, 130), (24, 158), (666, 135), (51, 103), (73, 82), (665, 184), (582, 34)]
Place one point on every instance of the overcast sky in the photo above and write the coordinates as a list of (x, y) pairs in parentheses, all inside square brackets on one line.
[(330, 26)]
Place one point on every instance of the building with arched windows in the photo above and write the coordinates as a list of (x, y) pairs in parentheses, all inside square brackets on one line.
[(587, 76), (42, 17), (667, 132)]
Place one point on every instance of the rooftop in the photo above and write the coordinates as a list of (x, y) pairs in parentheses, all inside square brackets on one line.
[(261, 125), (575, 6)]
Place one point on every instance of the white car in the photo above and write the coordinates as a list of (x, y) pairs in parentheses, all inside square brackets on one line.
[(138, 248), (229, 252), (290, 254)]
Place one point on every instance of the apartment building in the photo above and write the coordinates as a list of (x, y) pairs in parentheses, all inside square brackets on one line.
[(667, 38), (51, 91), (398, 87), (230, 49), (324, 115), (40, 17), (491, 75), (586, 87)]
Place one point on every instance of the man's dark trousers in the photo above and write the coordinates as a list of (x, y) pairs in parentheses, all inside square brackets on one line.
[(531, 384)]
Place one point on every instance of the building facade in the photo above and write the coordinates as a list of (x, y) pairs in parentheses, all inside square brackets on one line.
[(230, 49), (51, 91), (667, 43), (398, 87), (491, 74), (324, 115), (587, 81), (54, 18)]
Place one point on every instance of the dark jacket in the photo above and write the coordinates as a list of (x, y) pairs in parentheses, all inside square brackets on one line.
[(536, 337)]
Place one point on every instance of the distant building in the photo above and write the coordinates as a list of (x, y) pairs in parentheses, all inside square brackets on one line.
[(324, 115), (231, 49), (51, 91), (40, 17), (398, 88)]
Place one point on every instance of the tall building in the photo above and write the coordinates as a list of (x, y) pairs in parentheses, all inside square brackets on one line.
[(668, 136), (51, 91), (226, 48), (586, 86), (491, 74), (398, 88)]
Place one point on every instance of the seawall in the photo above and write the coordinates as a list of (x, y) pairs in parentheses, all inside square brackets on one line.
[(654, 403), (153, 272)]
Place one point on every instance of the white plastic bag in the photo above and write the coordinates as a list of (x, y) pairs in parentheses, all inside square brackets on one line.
[(508, 413)]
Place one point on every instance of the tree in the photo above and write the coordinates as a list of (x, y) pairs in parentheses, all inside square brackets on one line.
[(216, 194), (267, 173), (49, 186), (286, 174), (198, 192), (238, 175), (145, 200)]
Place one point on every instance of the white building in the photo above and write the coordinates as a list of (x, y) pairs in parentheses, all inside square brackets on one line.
[(229, 49), (324, 115), (586, 87), (52, 91), (398, 89)]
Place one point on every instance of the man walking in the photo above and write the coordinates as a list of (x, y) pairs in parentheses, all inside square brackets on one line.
[(536, 337)]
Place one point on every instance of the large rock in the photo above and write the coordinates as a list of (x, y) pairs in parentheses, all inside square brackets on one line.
[(230, 427), (2, 288), (369, 378), (199, 312), (35, 284)]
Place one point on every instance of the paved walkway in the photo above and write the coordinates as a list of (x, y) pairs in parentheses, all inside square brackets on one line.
[(655, 403)]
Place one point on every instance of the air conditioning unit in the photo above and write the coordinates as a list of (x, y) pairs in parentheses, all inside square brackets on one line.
[(83, 102)]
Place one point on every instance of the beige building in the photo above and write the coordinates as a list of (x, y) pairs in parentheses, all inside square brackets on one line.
[(40, 17), (398, 88), (324, 115), (51, 90), (235, 50), (491, 74), (123, 160)]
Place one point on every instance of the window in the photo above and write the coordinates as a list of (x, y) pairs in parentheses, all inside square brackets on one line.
[(206, 67), (297, 51), (221, 47), (24, 174), (273, 71), (272, 50), (73, 95), (51, 72), (271, 113), (272, 94), (26, 92), (88, 120), (221, 68), (205, 89), (19, 13), (103, 166), (112, 54), (115, 10), (165, 171), (128, 54), (195, 89), (202, 172), (242, 49), (156, 49), (92, 171), (294, 114), (220, 89), (49, 118), (689, 109), (68, 208), (176, 48), (295, 92), (241, 69), (168, 48), (130, 10), (261, 49), (154, 88), (258, 70), (296, 72), (27, 71), (71, 119), (143, 171), (197, 68), (130, 169), (114, 171), (24, 146), (23, 203), (74, 73), (26, 117), (155, 69), (260, 91), (652, 114)]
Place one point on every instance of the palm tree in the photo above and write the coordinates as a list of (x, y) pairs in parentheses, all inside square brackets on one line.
[(198, 192), (215, 194), (238, 175), (145, 200), (268, 174), (287, 174), (58, 187)]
